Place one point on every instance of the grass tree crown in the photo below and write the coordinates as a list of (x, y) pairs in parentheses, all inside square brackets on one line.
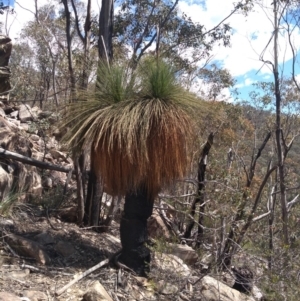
[(138, 127)]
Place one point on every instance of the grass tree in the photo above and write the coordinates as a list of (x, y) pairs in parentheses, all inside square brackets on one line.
[(138, 128)]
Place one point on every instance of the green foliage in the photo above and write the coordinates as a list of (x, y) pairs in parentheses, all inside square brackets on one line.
[(7, 204), (115, 83)]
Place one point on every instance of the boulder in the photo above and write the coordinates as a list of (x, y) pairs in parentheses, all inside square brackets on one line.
[(185, 252), (171, 264), (96, 293), (25, 113), (214, 290), (157, 227), (5, 296), (5, 183), (14, 114), (28, 248), (47, 183), (35, 137), (58, 155), (35, 295), (13, 141)]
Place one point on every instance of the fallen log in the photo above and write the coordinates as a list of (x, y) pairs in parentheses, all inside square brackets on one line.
[(15, 156)]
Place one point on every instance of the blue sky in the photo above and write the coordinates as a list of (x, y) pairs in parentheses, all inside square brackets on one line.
[(8, 2), (251, 35)]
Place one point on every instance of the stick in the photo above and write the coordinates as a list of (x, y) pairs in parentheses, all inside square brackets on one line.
[(87, 272), (82, 275)]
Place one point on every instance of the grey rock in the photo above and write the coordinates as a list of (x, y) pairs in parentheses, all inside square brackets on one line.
[(35, 137), (14, 114), (215, 290), (48, 183), (96, 293), (185, 252), (25, 113), (28, 248), (35, 295), (5, 296), (6, 181)]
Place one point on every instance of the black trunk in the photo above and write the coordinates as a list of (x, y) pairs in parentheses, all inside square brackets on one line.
[(133, 230), (93, 200)]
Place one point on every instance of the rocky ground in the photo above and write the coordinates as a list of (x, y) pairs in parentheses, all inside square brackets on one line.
[(42, 249), (41, 254)]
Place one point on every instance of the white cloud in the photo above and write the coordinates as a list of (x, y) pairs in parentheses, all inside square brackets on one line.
[(245, 83), (251, 35)]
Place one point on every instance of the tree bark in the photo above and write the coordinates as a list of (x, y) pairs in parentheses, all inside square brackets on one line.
[(93, 199), (278, 133), (20, 158), (106, 30), (200, 194), (133, 230), (95, 185)]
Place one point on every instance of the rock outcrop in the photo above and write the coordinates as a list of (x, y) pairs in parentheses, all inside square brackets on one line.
[(27, 132), (214, 290)]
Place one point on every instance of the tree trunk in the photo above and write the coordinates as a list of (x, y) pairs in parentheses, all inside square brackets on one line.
[(95, 185), (93, 199), (200, 192), (133, 230), (106, 30), (80, 188), (278, 133)]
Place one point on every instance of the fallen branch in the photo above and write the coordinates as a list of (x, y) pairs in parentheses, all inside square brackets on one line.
[(87, 272), (15, 156), (82, 275)]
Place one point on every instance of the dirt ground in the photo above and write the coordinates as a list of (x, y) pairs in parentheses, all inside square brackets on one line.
[(72, 250)]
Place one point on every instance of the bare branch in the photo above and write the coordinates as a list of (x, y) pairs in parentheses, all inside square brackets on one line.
[(161, 27), (258, 218), (77, 22), (292, 202)]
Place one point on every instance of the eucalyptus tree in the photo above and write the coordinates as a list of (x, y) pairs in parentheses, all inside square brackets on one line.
[(39, 35), (105, 51), (285, 19), (25, 77), (138, 131), (160, 27)]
